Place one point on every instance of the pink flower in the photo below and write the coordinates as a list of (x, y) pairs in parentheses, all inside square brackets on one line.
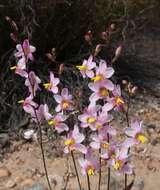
[(89, 116), (56, 121), (52, 85), (73, 141), (135, 134), (29, 105), (103, 72), (32, 82), (64, 101), (20, 68), (25, 50), (119, 162), (116, 101), (100, 89), (89, 165), (86, 67)]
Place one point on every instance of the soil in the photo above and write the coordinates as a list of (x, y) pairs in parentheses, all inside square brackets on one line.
[(22, 167)]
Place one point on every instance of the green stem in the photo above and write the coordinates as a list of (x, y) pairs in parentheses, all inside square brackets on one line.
[(88, 181), (109, 176)]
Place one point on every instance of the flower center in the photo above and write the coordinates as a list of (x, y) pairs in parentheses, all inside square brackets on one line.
[(97, 78), (117, 165), (105, 145), (47, 86), (26, 50), (141, 138), (82, 67), (119, 100), (90, 170), (91, 120), (98, 126), (69, 142), (65, 104), (52, 122), (103, 92)]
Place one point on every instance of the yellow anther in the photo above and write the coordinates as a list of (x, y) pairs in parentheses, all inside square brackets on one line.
[(82, 67), (13, 68), (97, 78), (69, 142), (21, 102), (52, 122), (119, 100), (141, 138), (65, 104), (47, 85), (90, 170), (91, 120), (98, 126), (117, 165), (105, 145)]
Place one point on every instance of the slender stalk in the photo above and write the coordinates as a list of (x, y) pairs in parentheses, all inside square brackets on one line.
[(42, 150), (74, 162), (100, 171), (109, 170), (109, 176), (127, 120), (88, 181)]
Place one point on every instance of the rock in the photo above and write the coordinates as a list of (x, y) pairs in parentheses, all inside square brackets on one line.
[(138, 184), (10, 184), (35, 187), (27, 183), (4, 140), (4, 172)]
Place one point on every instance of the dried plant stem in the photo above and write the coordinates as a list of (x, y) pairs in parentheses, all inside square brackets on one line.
[(42, 150), (100, 171), (74, 162), (88, 181)]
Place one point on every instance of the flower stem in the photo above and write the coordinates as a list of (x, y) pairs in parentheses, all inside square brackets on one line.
[(100, 171), (88, 181), (74, 162), (109, 170), (109, 176), (42, 150)]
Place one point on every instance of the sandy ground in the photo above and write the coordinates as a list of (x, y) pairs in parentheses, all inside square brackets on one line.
[(23, 167)]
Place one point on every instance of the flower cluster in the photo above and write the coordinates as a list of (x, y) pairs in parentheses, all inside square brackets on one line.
[(92, 134)]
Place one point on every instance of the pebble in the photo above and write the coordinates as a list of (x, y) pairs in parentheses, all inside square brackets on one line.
[(4, 172), (27, 183), (10, 184), (35, 187)]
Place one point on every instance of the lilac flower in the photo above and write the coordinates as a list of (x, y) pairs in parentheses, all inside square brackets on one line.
[(52, 85), (116, 101), (29, 105), (25, 50), (86, 68), (101, 122), (103, 72), (64, 101), (56, 121), (100, 89), (20, 68), (119, 161), (32, 82), (73, 141), (135, 133), (89, 165), (89, 116)]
